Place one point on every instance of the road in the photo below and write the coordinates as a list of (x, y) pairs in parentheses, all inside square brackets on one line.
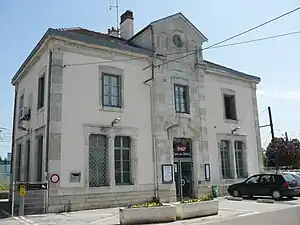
[(228, 210)]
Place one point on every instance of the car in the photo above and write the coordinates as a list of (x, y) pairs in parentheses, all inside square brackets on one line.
[(269, 184), (295, 175)]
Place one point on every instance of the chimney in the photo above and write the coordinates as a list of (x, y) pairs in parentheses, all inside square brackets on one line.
[(112, 32), (126, 25)]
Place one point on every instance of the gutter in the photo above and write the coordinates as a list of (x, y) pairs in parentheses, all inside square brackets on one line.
[(155, 173)]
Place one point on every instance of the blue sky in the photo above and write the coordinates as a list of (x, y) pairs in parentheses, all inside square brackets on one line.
[(276, 61)]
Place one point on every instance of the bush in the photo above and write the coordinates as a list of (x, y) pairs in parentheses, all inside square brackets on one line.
[(145, 205), (201, 199), (3, 187)]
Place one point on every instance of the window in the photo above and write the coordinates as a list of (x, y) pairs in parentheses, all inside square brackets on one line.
[(28, 160), (111, 88), (40, 144), (98, 161), (253, 180), (41, 92), (225, 159), (181, 98), (122, 160), (21, 105), (230, 107), (267, 179), (18, 163), (239, 159)]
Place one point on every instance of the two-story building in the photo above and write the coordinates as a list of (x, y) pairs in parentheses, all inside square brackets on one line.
[(117, 118)]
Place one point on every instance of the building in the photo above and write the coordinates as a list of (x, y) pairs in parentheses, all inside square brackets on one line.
[(111, 120)]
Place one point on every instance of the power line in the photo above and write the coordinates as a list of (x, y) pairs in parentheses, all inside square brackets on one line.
[(235, 36), (266, 141), (91, 63), (193, 51), (256, 27)]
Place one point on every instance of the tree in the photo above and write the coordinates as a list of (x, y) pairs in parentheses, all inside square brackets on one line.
[(284, 152), (265, 158)]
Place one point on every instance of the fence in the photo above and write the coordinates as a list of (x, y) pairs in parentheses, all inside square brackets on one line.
[(29, 198)]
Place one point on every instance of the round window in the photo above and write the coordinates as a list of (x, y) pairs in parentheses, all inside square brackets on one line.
[(177, 40)]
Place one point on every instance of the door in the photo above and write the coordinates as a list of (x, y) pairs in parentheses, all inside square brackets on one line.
[(183, 179), (251, 186)]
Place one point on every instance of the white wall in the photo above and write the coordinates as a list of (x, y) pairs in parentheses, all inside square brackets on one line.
[(28, 85), (80, 105), (217, 125)]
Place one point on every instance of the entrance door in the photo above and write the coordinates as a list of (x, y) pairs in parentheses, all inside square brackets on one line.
[(183, 179)]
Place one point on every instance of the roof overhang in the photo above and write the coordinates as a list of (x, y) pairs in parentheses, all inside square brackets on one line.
[(93, 40)]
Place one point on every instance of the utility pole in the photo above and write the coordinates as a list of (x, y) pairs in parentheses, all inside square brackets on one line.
[(286, 137), (272, 135)]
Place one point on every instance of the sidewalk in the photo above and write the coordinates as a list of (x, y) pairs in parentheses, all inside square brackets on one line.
[(229, 211)]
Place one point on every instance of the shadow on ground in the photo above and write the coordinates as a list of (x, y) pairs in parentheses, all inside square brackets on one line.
[(4, 209)]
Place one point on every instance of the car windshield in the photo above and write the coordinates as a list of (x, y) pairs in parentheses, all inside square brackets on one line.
[(288, 177)]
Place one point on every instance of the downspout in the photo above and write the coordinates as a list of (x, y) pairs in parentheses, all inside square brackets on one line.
[(11, 188), (48, 123), (152, 105)]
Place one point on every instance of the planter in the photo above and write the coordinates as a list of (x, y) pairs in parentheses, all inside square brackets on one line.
[(160, 214), (197, 209)]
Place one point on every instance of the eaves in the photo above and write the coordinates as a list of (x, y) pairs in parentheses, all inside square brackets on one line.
[(105, 42)]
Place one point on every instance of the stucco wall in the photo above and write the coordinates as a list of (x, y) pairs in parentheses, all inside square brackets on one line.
[(28, 85), (81, 105), (217, 126)]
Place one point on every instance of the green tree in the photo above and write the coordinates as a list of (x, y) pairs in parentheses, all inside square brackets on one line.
[(283, 152)]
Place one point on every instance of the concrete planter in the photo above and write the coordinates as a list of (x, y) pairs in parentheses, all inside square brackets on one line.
[(130, 216), (197, 209)]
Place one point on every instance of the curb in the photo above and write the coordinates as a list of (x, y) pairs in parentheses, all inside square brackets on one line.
[(270, 201), (234, 198)]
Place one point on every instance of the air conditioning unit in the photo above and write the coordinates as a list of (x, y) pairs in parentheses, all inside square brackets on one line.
[(25, 113)]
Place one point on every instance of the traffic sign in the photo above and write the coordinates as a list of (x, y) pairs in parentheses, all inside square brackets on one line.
[(54, 178), (22, 189), (41, 186)]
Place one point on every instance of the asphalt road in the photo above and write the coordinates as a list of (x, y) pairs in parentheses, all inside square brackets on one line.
[(228, 210)]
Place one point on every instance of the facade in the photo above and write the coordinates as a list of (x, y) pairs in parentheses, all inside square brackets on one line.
[(127, 119)]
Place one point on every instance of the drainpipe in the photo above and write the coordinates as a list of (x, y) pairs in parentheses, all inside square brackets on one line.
[(48, 123), (155, 173), (11, 188)]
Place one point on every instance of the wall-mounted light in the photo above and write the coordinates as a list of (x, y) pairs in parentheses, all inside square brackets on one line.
[(234, 130), (115, 121)]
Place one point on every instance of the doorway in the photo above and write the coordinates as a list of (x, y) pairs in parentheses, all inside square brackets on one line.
[(183, 179)]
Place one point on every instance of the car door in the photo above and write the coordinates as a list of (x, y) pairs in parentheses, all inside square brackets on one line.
[(250, 186), (266, 184)]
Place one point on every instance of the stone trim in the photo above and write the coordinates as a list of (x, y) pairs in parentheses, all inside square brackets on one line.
[(54, 153), (257, 128), (116, 72), (111, 132)]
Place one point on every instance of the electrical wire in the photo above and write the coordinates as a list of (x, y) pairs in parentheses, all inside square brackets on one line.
[(193, 51), (266, 141), (235, 36)]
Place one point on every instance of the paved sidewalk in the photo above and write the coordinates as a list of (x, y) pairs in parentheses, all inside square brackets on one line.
[(228, 210)]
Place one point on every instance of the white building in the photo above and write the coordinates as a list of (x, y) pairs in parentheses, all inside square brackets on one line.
[(114, 117)]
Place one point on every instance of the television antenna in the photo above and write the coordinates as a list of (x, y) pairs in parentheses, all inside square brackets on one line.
[(115, 6)]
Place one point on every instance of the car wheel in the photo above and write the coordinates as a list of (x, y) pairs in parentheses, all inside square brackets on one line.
[(236, 193), (276, 195)]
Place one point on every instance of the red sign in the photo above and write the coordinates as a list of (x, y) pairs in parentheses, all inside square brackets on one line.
[(54, 178), (181, 147)]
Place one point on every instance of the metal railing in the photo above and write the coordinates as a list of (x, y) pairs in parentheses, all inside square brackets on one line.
[(29, 198)]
